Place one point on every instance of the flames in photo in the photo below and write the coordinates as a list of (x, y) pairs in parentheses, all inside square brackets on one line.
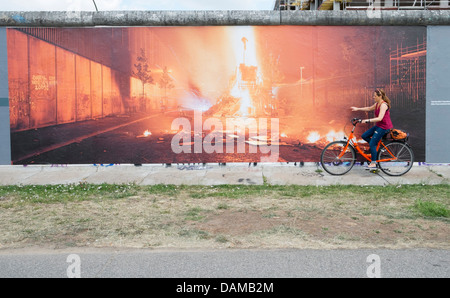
[(112, 95)]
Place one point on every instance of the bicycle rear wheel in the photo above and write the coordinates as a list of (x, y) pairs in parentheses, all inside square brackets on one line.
[(404, 158), (330, 158)]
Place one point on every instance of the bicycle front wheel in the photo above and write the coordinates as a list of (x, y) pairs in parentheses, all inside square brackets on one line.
[(402, 158), (332, 163)]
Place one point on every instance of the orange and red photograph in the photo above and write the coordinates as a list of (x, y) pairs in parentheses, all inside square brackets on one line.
[(209, 94)]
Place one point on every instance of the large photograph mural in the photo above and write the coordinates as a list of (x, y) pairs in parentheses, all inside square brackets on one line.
[(205, 94)]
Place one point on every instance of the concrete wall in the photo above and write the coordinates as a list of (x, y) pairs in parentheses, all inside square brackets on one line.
[(438, 95), (225, 18)]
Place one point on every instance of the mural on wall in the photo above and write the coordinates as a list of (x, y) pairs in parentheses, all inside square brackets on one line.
[(205, 94)]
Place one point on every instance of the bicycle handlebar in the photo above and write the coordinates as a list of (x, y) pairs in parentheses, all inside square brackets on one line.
[(355, 121)]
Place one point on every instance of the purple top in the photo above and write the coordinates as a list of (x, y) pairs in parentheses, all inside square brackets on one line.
[(386, 122)]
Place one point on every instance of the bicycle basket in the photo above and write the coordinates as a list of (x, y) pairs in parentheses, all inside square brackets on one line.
[(398, 135)]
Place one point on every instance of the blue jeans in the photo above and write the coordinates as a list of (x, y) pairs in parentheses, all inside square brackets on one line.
[(373, 136)]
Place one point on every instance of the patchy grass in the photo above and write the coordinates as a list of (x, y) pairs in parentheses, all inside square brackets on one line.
[(224, 216), (47, 194), (431, 209)]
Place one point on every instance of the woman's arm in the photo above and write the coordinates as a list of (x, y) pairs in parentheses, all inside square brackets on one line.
[(365, 109), (383, 109)]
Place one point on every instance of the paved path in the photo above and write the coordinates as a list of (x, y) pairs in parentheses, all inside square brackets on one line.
[(214, 174), (108, 263)]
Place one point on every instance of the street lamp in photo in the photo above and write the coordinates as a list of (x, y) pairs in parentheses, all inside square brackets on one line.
[(301, 81)]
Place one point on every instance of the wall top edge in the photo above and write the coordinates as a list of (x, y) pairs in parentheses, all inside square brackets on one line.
[(223, 18)]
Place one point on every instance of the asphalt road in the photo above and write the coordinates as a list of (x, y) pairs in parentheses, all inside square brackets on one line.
[(249, 264)]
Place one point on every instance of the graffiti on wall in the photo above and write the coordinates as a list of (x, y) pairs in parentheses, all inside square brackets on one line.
[(205, 94)]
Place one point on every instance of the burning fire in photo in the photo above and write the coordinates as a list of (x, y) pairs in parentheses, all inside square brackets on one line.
[(146, 134)]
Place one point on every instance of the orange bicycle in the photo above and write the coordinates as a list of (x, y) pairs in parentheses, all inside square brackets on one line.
[(394, 157)]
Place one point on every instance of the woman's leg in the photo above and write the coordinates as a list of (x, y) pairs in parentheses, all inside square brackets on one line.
[(368, 134), (376, 137)]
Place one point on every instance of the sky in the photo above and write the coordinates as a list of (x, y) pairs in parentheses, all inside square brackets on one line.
[(108, 5)]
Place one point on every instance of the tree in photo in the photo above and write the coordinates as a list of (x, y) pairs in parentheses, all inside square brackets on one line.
[(143, 73), (165, 82)]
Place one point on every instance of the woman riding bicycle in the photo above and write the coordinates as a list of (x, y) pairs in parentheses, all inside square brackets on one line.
[(382, 119)]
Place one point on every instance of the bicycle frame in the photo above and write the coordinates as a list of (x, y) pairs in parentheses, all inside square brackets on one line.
[(351, 141)]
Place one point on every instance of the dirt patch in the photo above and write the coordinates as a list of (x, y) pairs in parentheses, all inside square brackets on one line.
[(330, 230), (239, 223)]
